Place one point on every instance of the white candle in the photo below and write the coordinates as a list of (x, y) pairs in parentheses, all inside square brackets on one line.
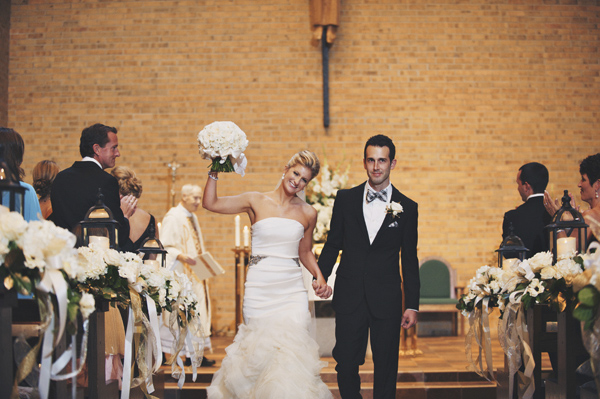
[(566, 245), (152, 262), (100, 242), (507, 264), (246, 236), (237, 231)]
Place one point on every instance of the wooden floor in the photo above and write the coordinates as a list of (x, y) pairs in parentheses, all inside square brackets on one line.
[(439, 370)]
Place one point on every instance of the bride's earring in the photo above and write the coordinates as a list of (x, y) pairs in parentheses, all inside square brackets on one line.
[(596, 194), (283, 175)]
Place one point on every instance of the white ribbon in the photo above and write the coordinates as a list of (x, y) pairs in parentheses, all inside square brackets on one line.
[(153, 317), (45, 370), (126, 386), (239, 164)]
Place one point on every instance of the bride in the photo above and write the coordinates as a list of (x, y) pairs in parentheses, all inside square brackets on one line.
[(273, 355)]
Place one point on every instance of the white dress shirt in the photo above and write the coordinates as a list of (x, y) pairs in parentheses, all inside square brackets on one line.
[(90, 159), (374, 211)]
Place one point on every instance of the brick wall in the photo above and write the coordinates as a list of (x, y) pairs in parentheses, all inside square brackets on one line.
[(4, 41), (469, 91)]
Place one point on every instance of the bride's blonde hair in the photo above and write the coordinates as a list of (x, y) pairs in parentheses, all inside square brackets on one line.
[(308, 159)]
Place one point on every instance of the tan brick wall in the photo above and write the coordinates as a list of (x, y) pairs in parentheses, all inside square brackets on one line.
[(469, 91), (4, 44)]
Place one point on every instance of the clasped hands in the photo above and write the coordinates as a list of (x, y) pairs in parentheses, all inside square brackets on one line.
[(322, 290)]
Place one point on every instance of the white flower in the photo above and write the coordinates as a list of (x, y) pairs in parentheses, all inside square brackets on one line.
[(394, 208), (224, 140), (87, 304), (540, 260), (535, 288)]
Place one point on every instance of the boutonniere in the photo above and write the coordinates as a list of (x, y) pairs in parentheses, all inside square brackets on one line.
[(394, 209)]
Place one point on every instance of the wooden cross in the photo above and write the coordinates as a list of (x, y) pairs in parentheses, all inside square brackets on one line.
[(324, 20)]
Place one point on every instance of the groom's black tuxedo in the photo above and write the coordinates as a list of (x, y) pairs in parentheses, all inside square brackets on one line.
[(367, 293), (75, 191)]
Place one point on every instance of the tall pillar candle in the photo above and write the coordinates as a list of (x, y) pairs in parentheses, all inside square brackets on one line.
[(246, 236), (237, 231)]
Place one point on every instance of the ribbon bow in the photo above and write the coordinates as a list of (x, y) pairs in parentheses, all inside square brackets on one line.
[(373, 195)]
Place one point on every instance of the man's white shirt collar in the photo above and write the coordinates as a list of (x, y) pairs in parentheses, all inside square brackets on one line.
[(90, 159), (534, 195)]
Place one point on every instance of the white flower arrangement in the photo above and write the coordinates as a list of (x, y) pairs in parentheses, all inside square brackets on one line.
[(394, 209), (321, 194), (224, 143)]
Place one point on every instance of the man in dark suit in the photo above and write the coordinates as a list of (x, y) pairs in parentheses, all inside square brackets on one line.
[(530, 218), (75, 189), (368, 292)]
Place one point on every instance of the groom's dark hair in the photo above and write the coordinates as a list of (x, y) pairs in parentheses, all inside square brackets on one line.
[(381, 141)]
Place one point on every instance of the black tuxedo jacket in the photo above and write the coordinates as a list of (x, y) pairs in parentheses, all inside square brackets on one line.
[(75, 191), (529, 221), (368, 271)]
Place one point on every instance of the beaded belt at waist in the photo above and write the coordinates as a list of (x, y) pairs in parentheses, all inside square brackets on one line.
[(254, 259)]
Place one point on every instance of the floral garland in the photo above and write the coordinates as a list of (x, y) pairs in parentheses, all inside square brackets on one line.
[(40, 259), (321, 194)]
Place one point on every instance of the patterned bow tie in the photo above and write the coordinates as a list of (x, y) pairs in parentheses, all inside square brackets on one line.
[(373, 195)]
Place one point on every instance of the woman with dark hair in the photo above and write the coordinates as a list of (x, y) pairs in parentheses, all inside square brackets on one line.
[(14, 149), (43, 176), (589, 188)]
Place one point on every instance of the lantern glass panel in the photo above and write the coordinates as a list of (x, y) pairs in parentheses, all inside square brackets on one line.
[(568, 230)]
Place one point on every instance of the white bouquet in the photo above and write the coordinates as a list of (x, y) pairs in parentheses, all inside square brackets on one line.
[(223, 143)]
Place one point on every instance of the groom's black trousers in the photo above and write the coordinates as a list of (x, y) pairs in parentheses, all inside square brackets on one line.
[(351, 332)]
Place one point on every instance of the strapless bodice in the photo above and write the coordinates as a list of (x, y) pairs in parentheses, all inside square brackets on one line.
[(276, 236)]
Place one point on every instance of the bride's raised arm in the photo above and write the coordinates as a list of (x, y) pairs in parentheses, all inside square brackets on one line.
[(228, 205)]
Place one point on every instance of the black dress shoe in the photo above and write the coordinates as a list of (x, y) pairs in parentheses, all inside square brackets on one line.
[(207, 363)]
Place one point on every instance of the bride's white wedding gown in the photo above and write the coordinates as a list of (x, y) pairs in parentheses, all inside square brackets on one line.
[(273, 356)]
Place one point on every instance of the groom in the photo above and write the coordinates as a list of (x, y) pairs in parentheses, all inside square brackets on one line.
[(368, 294)]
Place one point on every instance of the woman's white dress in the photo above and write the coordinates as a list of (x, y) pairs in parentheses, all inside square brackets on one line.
[(273, 355)]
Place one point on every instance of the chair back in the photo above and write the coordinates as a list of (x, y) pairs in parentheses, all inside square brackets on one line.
[(436, 279)]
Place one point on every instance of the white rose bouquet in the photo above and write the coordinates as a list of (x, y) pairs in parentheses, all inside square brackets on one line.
[(224, 143)]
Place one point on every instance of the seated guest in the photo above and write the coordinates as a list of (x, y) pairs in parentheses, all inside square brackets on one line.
[(530, 218), (75, 189), (589, 188), (141, 222), (43, 177), (14, 149)]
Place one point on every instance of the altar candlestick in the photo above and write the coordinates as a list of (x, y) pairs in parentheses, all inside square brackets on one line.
[(237, 231), (246, 236)]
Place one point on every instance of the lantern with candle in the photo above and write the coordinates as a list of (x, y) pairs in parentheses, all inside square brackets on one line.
[(99, 226), (511, 249), (568, 230), (152, 249)]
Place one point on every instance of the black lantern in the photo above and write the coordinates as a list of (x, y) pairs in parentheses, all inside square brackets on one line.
[(512, 247), (99, 225), (568, 230), (11, 192), (152, 248)]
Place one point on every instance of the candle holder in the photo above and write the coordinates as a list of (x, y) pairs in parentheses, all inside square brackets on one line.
[(242, 258), (99, 221), (511, 248), (567, 223)]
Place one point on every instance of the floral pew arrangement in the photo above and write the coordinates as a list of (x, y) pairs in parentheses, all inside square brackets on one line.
[(516, 289), (40, 259)]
